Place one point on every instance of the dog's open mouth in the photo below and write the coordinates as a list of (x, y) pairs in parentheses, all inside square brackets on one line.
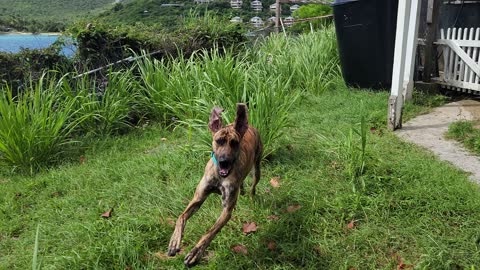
[(224, 168)]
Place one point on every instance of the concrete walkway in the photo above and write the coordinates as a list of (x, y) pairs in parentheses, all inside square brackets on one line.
[(429, 131)]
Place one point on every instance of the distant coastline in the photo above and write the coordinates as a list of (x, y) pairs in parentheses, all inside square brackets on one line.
[(29, 33)]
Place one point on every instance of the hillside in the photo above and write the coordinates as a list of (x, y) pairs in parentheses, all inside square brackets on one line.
[(47, 15), (54, 15), (169, 16), (52, 9)]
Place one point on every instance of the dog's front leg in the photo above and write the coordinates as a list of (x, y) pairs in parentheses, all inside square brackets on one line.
[(201, 193), (229, 199)]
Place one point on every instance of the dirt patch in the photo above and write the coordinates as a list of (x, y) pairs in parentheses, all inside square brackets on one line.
[(429, 131)]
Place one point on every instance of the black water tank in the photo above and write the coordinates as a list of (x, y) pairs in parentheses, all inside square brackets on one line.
[(366, 41)]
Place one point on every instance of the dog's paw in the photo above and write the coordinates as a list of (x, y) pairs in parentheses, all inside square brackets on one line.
[(193, 257), (173, 248)]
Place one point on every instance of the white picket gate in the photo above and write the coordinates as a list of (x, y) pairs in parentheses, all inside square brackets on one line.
[(461, 63)]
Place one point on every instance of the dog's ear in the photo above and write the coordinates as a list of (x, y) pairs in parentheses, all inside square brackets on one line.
[(241, 122), (215, 121)]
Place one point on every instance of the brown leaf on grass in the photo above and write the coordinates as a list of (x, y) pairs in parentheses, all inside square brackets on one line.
[(373, 129), (82, 159), (171, 221), (240, 249), (249, 227), (275, 182), (271, 245), (56, 194), (400, 264), (273, 217), (163, 256), (351, 224), (167, 221), (319, 250), (108, 214), (293, 208)]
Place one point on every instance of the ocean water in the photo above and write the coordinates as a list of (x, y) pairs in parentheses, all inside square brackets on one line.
[(14, 42)]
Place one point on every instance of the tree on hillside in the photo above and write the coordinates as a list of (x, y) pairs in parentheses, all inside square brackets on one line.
[(309, 11)]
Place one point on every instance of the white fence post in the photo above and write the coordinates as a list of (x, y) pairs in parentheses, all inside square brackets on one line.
[(411, 49), (407, 22)]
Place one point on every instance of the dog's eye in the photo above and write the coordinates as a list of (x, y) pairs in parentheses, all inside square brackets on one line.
[(233, 143), (220, 141)]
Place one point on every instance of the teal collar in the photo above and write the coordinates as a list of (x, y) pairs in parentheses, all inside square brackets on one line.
[(212, 154)]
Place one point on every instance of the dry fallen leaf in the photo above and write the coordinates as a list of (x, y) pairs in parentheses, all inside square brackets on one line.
[(167, 221), (272, 245), (351, 224), (171, 221), (273, 217), (400, 264), (163, 256), (108, 214), (249, 227), (82, 159), (293, 208), (240, 249), (373, 129), (275, 182)]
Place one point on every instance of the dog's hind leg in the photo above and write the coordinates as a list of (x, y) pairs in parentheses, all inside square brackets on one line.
[(257, 173), (201, 193), (229, 199)]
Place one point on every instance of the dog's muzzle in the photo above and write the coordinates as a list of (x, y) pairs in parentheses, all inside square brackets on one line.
[(224, 167)]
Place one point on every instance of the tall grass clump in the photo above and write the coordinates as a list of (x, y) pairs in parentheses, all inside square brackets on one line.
[(106, 107), (311, 59), (35, 126), (349, 148), (153, 77)]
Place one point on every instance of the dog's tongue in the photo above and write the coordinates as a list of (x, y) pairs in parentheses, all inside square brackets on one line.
[(223, 172)]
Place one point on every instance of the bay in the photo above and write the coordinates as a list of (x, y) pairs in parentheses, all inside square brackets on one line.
[(13, 42)]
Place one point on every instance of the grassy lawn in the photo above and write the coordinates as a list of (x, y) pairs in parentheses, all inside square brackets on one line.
[(467, 133), (394, 206)]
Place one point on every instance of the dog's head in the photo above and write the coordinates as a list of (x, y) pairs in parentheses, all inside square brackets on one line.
[(226, 140)]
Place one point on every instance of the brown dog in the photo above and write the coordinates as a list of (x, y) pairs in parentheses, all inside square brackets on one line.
[(236, 150)]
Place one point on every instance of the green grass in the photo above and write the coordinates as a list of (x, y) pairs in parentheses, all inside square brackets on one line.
[(327, 143), (405, 203), (467, 133)]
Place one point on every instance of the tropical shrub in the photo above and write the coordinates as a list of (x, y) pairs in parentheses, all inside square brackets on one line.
[(35, 126)]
